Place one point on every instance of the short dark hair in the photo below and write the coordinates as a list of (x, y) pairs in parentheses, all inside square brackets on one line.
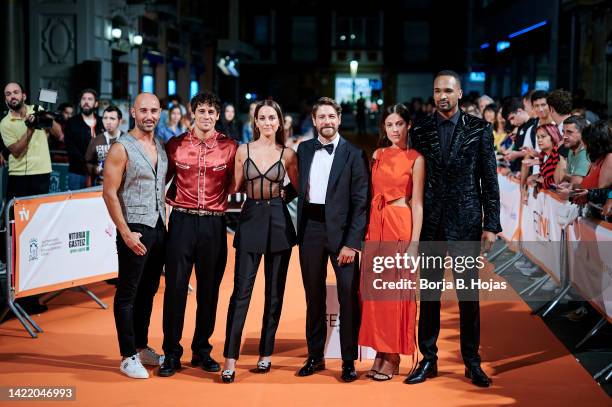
[(491, 106), (580, 122), (113, 108), (177, 98), (598, 139), (88, 90), (63, 106), (561, 101), (527, 95), (206, 98), (538, 94), (448, 72), (16, 83), (511, 105), (325, 101), (399, 109)]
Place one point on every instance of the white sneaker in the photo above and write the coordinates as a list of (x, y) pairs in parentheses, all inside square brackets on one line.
[(132, 367), (150, 358), (529, 271)]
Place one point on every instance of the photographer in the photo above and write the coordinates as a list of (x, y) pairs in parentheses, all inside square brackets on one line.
[(29, 160)]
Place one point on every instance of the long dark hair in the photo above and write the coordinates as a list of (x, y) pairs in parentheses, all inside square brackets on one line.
[(598, 139), (403, 112), (279, 137)]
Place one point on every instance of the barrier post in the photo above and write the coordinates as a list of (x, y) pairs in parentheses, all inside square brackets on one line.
[(565, 279), (12, 306)]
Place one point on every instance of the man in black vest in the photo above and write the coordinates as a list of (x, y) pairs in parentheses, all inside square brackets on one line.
[(460, 210), (332, 202)]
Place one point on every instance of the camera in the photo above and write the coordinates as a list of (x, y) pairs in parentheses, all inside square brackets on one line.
[(43, 119)]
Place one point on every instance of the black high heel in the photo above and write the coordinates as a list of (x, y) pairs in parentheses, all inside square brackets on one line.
[(263, 367), (228, 376)]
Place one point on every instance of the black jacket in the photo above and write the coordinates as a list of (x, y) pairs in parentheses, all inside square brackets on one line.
[(77, 136), (346, 201), (463, 192)]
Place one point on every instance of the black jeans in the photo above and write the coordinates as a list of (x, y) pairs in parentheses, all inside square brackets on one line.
[(200, 241), (138, 282)]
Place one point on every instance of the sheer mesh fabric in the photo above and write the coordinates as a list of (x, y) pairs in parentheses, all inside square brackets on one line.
[(266, 185)]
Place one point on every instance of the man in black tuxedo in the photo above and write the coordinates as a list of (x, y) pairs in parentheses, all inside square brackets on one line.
[(461, 205), (332, 204)]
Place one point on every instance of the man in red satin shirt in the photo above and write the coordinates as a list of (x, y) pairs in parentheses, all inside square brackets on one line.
[(201, 163)]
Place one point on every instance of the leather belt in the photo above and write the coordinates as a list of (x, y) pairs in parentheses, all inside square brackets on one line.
[(199, 212)]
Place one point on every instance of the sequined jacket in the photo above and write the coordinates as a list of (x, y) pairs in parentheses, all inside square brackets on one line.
[(461, 193)]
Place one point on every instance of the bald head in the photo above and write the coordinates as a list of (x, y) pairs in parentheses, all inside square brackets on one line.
[(146, 111)]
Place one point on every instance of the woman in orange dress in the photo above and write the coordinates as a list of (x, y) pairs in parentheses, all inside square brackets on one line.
[(396, 216)]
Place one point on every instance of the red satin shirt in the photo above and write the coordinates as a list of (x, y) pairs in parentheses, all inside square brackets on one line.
[(202, 172)]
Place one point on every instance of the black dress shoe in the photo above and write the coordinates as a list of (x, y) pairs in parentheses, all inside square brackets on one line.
[(169, 367), (348, 371), (312, 365), (478, 376), (207, 363), (210, 365), (196, 360), (427, 369)]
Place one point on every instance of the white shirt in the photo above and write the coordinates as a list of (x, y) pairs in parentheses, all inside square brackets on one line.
[(319, 171), (527, 143)]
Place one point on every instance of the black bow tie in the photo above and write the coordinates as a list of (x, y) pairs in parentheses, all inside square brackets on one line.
[(329, 147)]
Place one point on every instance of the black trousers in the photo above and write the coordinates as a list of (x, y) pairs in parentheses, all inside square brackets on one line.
[(469, 307), (275, 269), (313, 262), (25, 185), (138, 282), (200, 241)]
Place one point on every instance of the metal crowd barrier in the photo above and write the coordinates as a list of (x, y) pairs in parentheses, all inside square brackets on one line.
[(565, 281)]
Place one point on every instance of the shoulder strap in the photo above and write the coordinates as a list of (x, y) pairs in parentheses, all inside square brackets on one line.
[(282, 151)]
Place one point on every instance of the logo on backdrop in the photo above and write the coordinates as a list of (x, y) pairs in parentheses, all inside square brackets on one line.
[(79, 241), (33, 249), (24, 214)]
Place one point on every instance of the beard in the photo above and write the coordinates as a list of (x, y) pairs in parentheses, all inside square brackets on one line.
[(87, 111), (445, 107), (327, 131), (15, 105)]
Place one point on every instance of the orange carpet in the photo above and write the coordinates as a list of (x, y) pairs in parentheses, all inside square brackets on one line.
[(529, 366)]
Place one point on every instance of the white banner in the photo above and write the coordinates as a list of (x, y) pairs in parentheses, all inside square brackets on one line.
[(541, 232), (510, 201), (590, 261), (332, 319), (62, 241)]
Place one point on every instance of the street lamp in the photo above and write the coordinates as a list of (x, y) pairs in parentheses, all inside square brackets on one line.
[(354, 65)]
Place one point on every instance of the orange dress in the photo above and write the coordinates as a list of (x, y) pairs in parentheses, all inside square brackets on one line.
[(389, 321)]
